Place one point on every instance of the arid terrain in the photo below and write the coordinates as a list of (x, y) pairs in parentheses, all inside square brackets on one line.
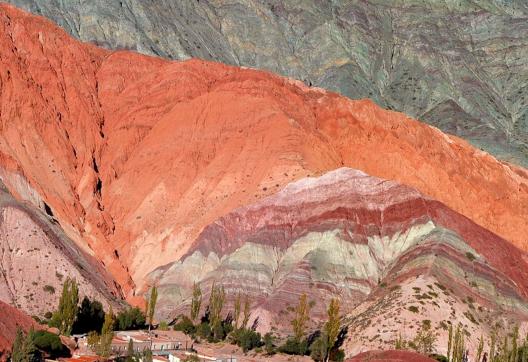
[(126, 171)]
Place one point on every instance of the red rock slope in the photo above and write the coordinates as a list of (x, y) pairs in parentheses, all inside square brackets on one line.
[(134, 155), (10, 320)]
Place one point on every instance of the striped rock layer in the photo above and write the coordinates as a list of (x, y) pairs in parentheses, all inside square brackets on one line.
[(358, 238)]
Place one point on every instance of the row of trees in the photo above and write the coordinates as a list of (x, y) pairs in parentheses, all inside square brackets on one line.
[(322, 346), (88, 317), (508, 349), (325, 345), (70, 317), (130, 318)]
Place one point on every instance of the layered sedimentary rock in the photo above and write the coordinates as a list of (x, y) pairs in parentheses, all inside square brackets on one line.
[(36, 257), (135, 155), (10, 320), (460, 66), (378, 246)]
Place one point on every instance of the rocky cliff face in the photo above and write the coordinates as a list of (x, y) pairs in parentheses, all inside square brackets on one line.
[(36, 257), (378, 246), (135, 155), (461, 66)]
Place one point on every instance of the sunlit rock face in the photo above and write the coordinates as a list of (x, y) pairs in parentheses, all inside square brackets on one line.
[(358, 238), (461, 66)]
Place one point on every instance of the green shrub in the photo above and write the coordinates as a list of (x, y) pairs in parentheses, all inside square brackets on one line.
[(130, 319), (294, 346), (49, 289), (204, 330), (470, 256), (413, 309), (50, 344), (439, 357), (319, 348), (90, 317), (440, 286), (185, 325), (337, 355), (268, 343), (246, 339)]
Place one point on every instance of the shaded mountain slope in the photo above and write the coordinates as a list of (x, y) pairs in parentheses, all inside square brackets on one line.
[(36, 257), (135, 155), (379, 246), (461, 66)]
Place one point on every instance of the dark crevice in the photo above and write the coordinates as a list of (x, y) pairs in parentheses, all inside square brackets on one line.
[(49, 212), (98, 183), (95, 167), (98, 186), (47, 209)]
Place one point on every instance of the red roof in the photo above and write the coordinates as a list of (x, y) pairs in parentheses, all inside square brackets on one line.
[(83, 359), (390, 356)]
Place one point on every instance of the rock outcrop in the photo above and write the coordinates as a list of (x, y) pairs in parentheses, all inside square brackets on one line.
[(459, 66), (10, 320), (36, 257), (135, 155), (378, 246)]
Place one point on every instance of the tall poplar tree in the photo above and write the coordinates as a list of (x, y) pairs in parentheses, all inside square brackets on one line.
[(216, 304), (17, 352), (64, 317), (152, 305), (332, 326), (301, 318), (237, 309), (196, 302), (107, 334), (247, 311)]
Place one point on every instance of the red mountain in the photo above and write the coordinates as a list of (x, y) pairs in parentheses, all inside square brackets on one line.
[(134, 155)]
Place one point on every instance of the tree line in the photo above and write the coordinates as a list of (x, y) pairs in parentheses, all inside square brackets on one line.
[(215, 325), (87, 317), (510, 348)]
